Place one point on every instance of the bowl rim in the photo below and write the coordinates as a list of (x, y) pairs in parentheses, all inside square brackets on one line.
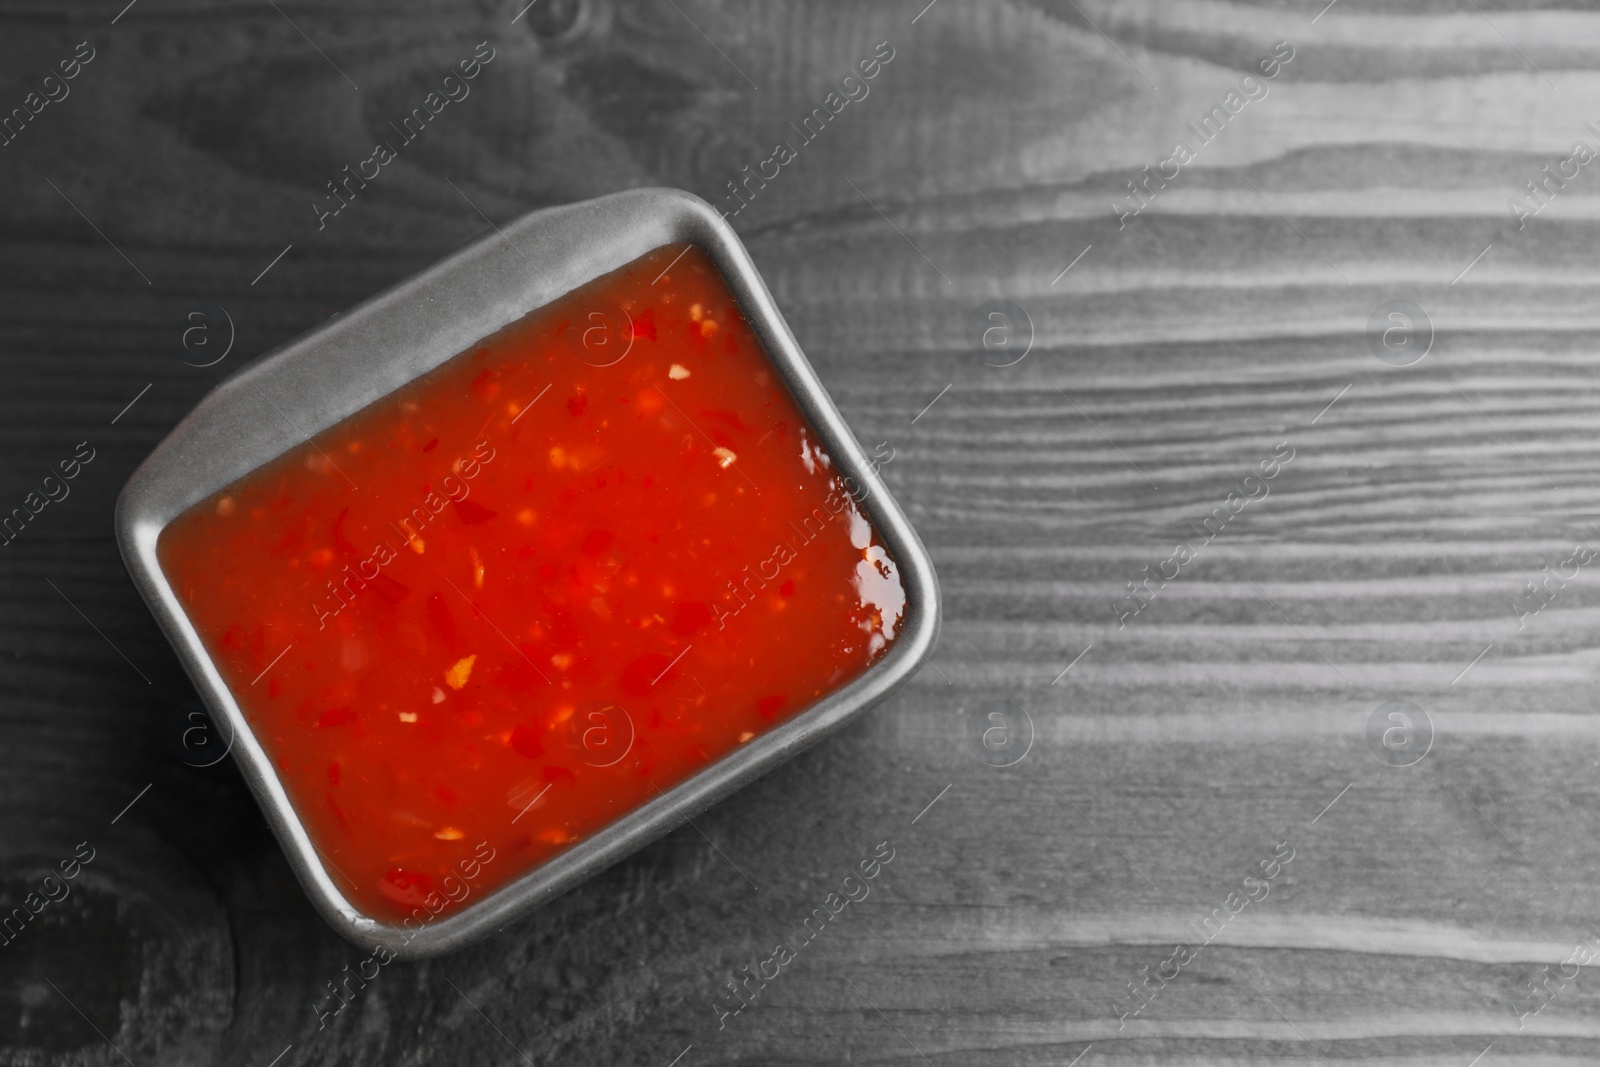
[(323, 376)]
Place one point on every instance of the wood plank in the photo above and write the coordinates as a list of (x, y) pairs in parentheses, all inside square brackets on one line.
[(1228, 315)]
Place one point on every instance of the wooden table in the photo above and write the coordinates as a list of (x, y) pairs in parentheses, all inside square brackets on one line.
[(1241, 710)]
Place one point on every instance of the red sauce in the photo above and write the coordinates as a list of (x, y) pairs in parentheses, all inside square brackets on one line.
[(523, 593)]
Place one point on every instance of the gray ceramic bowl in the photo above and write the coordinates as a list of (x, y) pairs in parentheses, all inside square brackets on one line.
[(328, 374)]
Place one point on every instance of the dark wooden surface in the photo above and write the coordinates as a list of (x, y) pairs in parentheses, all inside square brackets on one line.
[(1172, 357)]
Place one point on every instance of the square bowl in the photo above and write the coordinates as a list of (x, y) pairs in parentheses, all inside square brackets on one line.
[(325, 377)]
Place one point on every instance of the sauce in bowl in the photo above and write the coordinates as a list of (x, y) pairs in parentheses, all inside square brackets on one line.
[(528, 592)]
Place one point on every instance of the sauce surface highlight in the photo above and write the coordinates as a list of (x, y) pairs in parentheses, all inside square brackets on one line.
[(510, 602)]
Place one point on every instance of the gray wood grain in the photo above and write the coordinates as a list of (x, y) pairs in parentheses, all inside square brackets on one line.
[(1226, 317)]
